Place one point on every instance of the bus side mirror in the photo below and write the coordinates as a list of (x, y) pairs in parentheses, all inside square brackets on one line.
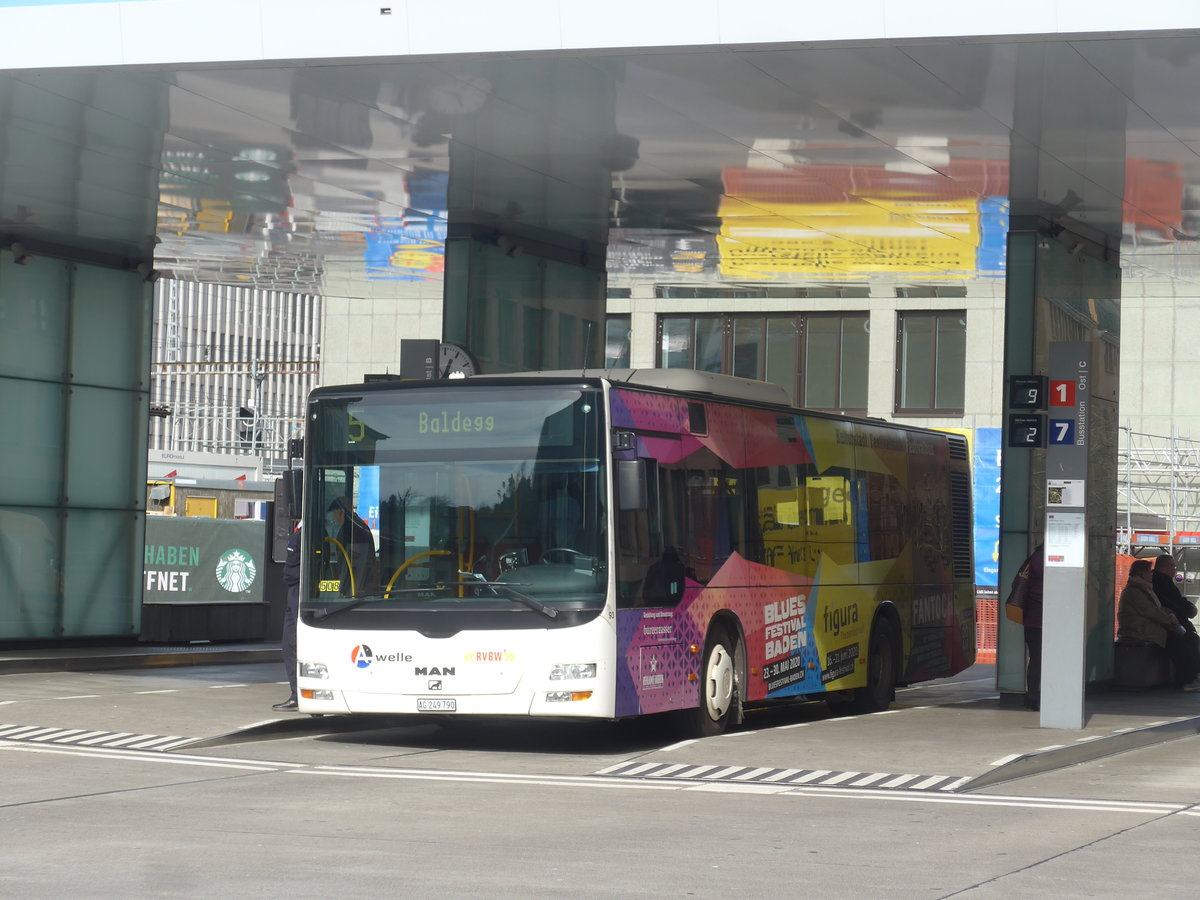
[(631, 485), (291, 487)]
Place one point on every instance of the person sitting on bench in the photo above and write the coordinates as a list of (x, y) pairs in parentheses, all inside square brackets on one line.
[(1142, 619)]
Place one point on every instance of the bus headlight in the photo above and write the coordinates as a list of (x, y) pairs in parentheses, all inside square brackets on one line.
[(571, 671), (309, 694), (313, 670)]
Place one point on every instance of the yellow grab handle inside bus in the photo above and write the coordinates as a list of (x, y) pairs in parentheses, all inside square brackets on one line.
[(408, 563), (346, 556)]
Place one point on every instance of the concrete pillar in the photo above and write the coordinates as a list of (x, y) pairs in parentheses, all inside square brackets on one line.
[(525, 254), (1063, 286)]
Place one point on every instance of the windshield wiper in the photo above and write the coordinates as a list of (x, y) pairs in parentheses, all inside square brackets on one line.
[(473, 578), (537, 605), (355, 602)]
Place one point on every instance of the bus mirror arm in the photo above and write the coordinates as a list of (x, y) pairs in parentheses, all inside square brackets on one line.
[(624, 440)]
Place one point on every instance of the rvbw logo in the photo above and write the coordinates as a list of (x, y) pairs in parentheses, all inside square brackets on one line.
[(236, 571)]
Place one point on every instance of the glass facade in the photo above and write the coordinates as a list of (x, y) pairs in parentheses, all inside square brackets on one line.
[(74, 391)]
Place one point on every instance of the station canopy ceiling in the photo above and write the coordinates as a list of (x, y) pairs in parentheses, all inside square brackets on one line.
[(754, 166)]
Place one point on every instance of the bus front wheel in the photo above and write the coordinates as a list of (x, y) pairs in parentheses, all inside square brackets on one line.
[(880, 689), (718, 685)]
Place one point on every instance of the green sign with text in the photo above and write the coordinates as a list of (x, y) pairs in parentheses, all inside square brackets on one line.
[(200, 560)]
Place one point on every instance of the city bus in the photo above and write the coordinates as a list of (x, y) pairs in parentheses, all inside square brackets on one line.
[(613, 544)]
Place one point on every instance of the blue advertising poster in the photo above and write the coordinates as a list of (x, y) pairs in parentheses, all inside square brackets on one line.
[(993, 237), (368, 496), (411, 247), (986, 466)]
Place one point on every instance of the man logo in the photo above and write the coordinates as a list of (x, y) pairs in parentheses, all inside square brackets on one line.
[(236, 571), (435, 685), (362, 656)]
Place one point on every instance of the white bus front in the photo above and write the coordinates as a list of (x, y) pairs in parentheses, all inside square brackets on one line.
[(456, 551)]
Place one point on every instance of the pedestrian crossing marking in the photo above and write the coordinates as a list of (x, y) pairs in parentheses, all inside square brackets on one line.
[(157, 743), (777, 776), (81, 737)]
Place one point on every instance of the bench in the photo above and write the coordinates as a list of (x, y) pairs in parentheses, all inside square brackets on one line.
[(1137, 666)]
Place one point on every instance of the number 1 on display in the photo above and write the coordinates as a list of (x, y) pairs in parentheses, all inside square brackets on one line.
[(1062, 393)]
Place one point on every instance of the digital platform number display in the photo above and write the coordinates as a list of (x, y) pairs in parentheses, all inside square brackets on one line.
[(1026, 430), (1027, 392)]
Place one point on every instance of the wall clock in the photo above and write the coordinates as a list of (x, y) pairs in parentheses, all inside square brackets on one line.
[(455, 362)]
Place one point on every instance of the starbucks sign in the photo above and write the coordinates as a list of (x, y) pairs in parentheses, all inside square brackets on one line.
[(200, 560), (236, 571)]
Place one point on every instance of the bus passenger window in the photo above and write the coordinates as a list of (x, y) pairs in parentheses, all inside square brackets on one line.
[(885, 516), (828, 501), (664, 582)]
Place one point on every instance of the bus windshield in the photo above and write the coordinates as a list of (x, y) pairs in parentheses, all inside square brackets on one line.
[(456, 497)]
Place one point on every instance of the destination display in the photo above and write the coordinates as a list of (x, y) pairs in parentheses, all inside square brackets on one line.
[(478, 421)]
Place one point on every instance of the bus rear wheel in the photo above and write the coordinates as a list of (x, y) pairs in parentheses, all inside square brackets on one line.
[(880, 689), (719, 686)]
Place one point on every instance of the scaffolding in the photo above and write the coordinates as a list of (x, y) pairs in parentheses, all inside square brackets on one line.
[(232, 369), (219, 429), (1158, 504)]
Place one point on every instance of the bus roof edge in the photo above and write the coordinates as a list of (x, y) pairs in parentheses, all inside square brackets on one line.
[(687, 380)]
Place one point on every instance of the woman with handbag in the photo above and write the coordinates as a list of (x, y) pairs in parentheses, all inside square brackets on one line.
[(1024, 606)]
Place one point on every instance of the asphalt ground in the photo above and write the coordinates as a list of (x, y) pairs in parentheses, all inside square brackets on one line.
[(952, 735), (167, 774)]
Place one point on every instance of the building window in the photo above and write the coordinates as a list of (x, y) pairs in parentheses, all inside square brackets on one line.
[(709, 351), (836, 351), (820, 360), (931, 355), (675, 342), (616, 342)]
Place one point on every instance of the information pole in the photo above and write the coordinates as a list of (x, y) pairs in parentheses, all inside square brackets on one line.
[(1064, 603)]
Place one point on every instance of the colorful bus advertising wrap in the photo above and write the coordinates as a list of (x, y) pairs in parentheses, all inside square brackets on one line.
[(804, 529)]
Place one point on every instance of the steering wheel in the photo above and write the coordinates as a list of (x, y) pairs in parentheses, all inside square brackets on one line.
[(544, 558)]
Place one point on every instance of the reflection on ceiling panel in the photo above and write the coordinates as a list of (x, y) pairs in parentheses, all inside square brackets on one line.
[(843, 221), (770, 167)]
